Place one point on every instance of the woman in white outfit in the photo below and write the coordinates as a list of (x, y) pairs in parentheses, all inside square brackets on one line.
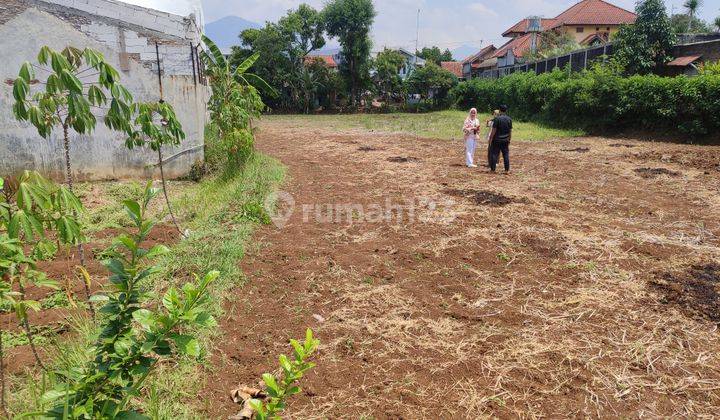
[(470, 130)]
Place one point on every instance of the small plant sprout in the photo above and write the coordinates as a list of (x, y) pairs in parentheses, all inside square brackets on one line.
[(280, 389)]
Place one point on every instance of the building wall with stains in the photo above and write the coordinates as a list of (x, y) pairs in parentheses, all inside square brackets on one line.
[(134, 40)]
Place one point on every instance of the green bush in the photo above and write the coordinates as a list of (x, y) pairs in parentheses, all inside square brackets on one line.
[(601, 100)]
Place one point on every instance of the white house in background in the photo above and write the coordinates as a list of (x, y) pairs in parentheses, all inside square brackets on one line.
[(412, 61)]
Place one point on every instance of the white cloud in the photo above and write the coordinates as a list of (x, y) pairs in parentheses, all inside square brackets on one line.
[(482, 9)]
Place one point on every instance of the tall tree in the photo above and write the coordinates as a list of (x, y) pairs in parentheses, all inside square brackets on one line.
[(645, 46), (692, 7), (350, 21), (717, 23), (388, 82), (435, 55), (283, 47)]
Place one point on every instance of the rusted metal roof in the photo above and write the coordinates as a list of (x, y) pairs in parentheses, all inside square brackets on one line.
[(684, 61)]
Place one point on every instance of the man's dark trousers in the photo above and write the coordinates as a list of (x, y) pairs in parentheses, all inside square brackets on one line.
[(497, 147)]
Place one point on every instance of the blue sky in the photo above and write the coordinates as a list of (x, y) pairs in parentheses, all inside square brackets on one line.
[(447, 24)]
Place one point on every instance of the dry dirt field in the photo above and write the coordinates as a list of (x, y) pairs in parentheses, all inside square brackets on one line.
[(584, 284)]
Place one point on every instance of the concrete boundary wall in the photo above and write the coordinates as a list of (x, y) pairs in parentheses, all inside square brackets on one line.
[(27, 25), (148, 18)]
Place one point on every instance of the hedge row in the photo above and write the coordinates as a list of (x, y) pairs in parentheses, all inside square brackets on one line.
[(601, 100)]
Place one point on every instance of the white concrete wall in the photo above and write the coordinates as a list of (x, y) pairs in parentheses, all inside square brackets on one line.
[(148, 18), (101, 155)]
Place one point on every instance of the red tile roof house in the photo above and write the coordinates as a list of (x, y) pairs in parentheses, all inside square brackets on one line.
[(589, 22), (327, 60), (454, 67), (471, 66)]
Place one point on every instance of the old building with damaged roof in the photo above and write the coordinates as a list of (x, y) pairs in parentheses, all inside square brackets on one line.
[(157, 56)]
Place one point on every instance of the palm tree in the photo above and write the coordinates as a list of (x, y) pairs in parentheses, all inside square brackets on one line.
[(309, 82), (692, 6)]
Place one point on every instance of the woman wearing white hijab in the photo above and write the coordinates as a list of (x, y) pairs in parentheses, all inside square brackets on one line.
[(470, 130)]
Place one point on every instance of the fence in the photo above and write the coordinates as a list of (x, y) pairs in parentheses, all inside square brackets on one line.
[(707, 47), (578, 61)]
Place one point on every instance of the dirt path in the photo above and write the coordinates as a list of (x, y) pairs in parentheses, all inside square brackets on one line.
[(584, 284)]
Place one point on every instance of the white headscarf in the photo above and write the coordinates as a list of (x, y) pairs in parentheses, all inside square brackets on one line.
[(470, 122)]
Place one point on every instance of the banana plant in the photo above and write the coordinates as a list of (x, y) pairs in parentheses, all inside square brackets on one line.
[(235, 100)]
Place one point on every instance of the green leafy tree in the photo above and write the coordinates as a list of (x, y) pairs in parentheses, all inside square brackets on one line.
[(435, 55), (283, 47), (30, 208), (717, 23), (681, 23), (387, 80), (645, 46), (350, 21), (134, 334), (80, 88), (431, 81)]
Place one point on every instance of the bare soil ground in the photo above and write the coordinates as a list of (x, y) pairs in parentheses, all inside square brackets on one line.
[(584, 284)]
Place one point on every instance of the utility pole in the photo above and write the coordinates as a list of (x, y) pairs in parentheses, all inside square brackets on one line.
[(417, 37)]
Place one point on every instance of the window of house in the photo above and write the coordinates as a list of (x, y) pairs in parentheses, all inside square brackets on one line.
[(580, 30), (607, 29), (597, 29)]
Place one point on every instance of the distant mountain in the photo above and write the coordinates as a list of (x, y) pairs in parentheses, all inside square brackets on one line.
[(225, 32), (464, 52)]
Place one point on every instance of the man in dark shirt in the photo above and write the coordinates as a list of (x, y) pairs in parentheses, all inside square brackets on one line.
[(501, 135)]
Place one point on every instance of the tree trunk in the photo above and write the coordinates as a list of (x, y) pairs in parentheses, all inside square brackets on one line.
[(69, 179), (2, 379), (167, 200), (28, 332)]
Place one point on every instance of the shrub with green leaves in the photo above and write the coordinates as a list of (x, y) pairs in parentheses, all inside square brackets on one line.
[(601, 99), (133, 334), (31, 207)]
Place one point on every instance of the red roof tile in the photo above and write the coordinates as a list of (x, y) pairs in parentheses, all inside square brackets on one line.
[(522, 26), (519, 45), (453, 67), (328, 60), (586, 12), (684, 61), (480, 55), (595, 12)]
